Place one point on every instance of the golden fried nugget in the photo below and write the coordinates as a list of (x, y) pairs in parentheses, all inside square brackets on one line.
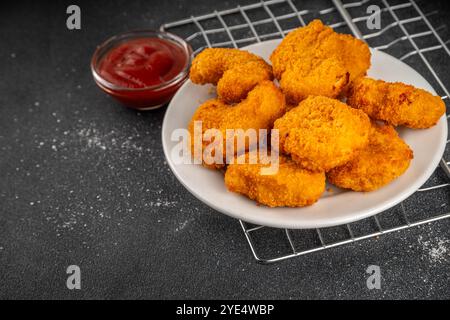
[(263, 105), (385, 158), (291, 186), (396, 103), (315, 60), (324, 77), (234, 71), (322, 133)]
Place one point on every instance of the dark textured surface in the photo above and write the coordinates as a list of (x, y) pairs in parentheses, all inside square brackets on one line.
[(84, 181)]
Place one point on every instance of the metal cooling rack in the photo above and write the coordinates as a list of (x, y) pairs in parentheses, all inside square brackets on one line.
[(423, 49)]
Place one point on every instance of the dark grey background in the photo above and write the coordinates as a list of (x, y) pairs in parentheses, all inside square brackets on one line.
[(84, 181)]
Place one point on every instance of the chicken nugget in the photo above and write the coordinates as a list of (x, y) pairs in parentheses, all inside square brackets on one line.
[(396, 103), (263, 105), (315, 60), (234, 71), (291, 186), (385, 158), (324, 77), (322, 133)]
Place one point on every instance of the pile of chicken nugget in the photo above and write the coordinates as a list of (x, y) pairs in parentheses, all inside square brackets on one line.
[(354, 144)]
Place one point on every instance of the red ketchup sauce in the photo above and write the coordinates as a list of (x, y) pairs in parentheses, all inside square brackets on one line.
[(144, 72)]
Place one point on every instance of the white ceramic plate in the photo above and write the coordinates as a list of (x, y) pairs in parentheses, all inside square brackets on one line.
[(334, 208)]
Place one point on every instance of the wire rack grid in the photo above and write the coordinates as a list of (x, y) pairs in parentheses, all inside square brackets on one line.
[(422, 48)]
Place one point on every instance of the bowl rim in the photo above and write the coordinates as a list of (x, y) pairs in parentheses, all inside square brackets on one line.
[(111, 42)]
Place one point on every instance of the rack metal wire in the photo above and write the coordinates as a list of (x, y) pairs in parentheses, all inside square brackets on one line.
[(264, 20)]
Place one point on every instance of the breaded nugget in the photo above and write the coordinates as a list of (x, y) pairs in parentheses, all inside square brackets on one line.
[(263, 105), (234, 71), (385, 158), (322, 133), (396, 103), (210, 114), (315, 60), (324, 77), (291, 186)]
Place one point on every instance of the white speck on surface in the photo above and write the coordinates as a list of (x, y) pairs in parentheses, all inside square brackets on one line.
[(93, 138), (182, 226), (128, 144), (36, 103), (162, 203), (69, 223), (436, 250), (13, 55)]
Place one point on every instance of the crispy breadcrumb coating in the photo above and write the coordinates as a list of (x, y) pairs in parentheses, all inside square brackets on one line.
[(291, 186), (263, 105), (315, 60), (234, 71), (322, 133), (385, 158), (396, 103), (324, 77)]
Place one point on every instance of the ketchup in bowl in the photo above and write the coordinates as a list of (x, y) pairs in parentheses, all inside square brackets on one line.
[(142, 69)]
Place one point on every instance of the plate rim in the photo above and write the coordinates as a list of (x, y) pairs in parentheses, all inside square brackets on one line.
[(405, 193)]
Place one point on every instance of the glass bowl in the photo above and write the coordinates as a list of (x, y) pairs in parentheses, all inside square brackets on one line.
[(149, 97)]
